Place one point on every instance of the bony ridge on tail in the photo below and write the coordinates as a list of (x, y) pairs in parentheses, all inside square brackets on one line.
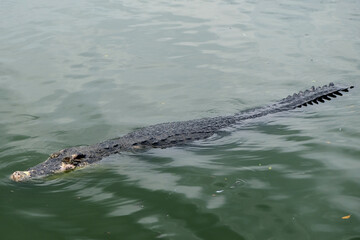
[(171, 134)]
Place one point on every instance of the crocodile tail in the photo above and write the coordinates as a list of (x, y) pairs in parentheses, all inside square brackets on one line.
[(313, 96), (297, 100)]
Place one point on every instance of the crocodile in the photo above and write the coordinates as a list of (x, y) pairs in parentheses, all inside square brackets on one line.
[(170, 134)]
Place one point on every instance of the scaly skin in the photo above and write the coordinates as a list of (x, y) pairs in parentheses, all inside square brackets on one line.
[(169, 134)]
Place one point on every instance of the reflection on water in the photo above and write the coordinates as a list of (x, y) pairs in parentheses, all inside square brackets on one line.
[(75, 73)]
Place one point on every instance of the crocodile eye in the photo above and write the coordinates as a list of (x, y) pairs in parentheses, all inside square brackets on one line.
[(66, 159), (78, 156)]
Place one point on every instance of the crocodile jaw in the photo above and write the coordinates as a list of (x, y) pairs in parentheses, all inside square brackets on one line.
[(21, 176)]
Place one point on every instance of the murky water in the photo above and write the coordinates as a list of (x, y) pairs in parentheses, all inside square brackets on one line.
[(80, 72)]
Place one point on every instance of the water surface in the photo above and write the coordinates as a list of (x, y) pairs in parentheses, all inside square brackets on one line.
[(79, 72)]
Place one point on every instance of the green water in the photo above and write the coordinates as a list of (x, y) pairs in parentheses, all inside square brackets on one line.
[(80, 72)]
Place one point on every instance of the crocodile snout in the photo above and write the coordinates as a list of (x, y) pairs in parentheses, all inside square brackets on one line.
[(19, 176)]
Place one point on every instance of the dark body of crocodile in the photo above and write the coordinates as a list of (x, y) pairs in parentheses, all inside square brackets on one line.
[(170, 134)]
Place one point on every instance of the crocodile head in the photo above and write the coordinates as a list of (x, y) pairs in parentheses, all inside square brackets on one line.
[(62, 161)]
